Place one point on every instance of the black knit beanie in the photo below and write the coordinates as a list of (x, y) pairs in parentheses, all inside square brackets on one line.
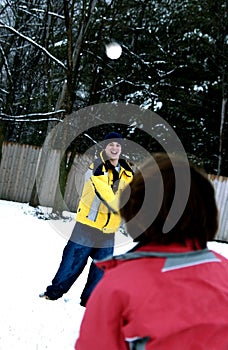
[(114, 137)]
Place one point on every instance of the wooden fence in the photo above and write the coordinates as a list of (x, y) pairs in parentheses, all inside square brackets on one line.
[(23, 166), (221, 191)]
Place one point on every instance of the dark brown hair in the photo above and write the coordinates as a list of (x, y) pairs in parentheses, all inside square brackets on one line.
[(153, 190)]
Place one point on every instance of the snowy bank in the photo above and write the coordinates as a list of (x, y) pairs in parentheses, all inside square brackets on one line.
[(30, 252)]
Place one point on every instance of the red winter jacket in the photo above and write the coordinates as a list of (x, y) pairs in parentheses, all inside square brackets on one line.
[(159, 298)]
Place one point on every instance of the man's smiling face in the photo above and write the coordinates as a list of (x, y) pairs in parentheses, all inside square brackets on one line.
[(113, 150)]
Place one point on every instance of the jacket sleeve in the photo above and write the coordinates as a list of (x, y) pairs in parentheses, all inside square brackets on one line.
[(103, 320)]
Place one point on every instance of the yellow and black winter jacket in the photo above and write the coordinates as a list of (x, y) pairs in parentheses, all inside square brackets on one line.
[(99, 203)]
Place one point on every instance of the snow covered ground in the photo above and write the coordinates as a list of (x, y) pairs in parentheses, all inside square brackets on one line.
[(30, 252)]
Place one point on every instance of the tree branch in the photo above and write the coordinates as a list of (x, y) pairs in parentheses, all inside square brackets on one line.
[(28, 117), (46, 52)]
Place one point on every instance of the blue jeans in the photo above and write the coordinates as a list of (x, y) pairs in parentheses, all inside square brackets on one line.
[(74, 259)]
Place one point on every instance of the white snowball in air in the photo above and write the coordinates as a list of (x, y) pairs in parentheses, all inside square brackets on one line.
[(113, 50)]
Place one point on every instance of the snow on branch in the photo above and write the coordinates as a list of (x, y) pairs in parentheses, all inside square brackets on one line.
[(46, 52), (33, 117)]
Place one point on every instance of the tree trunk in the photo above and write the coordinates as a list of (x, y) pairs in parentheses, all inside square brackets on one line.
[(223, 109), (66, 96)]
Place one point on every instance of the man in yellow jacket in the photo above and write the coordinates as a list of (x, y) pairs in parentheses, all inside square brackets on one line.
[(97, 220)]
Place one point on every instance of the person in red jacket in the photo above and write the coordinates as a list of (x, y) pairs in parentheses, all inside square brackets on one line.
[(170, 292)]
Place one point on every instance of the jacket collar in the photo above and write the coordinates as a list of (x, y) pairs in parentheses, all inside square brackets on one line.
[(102, 164), (175, 256)]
